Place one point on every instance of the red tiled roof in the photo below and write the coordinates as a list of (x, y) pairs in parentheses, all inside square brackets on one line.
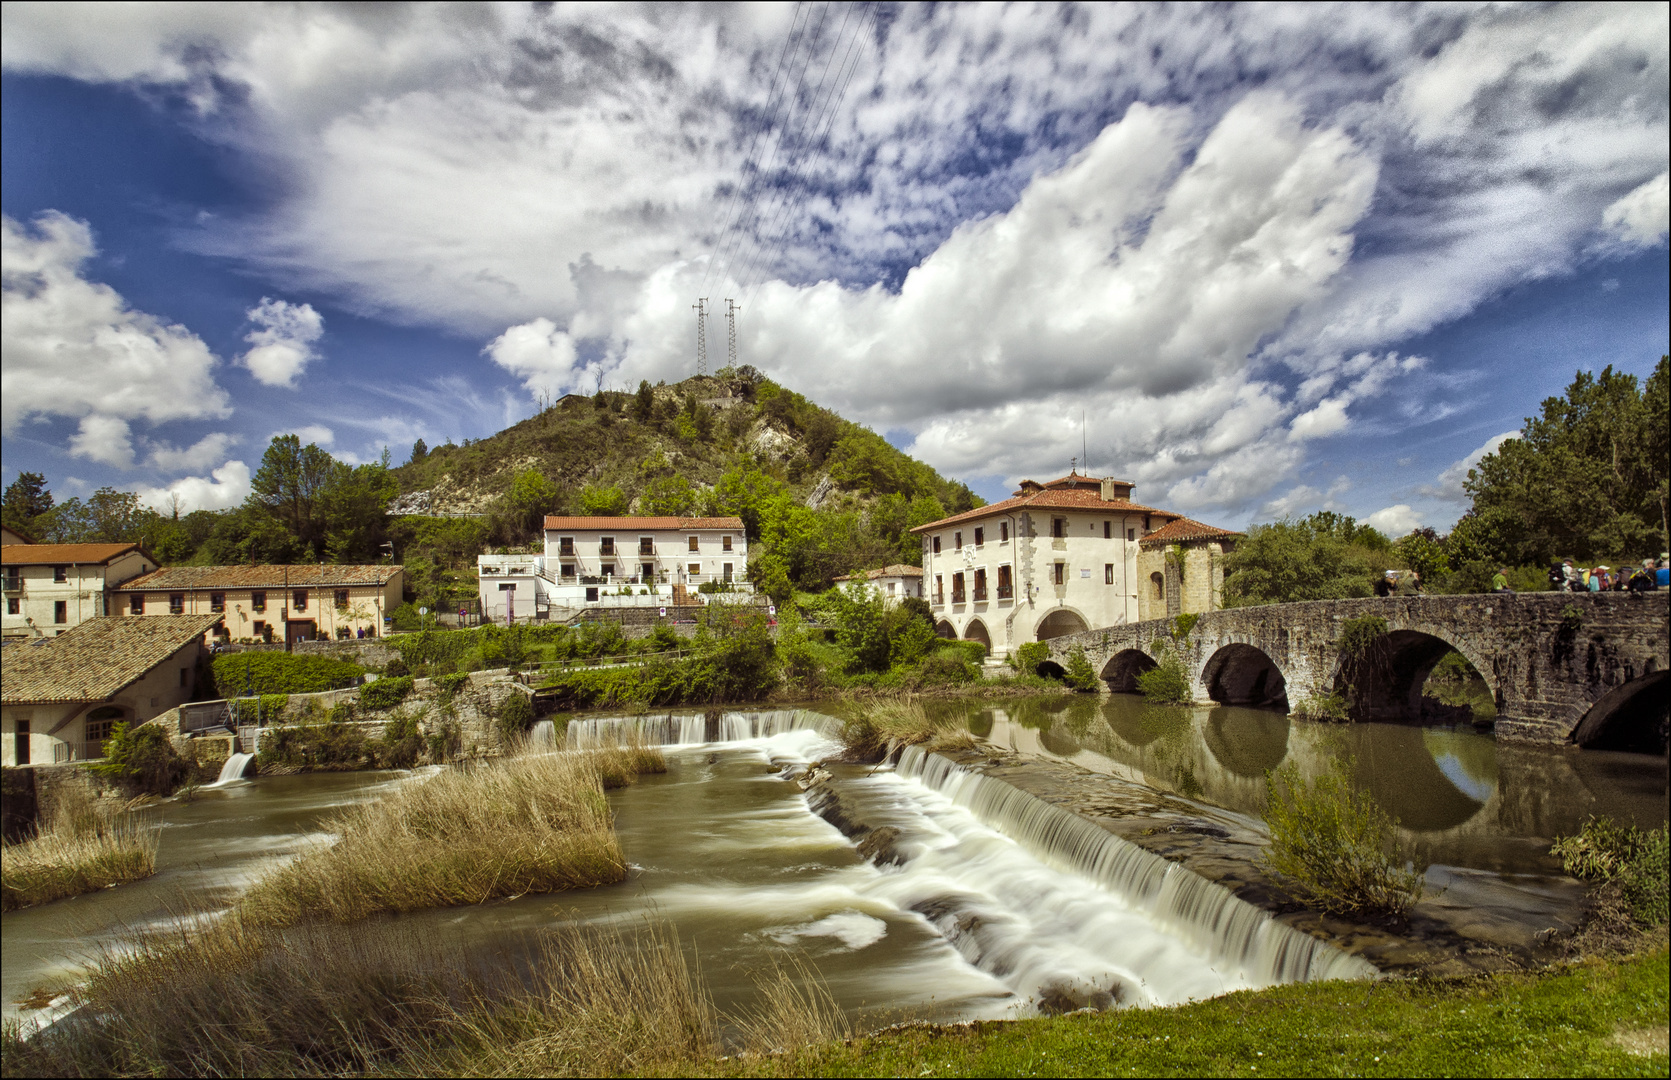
[(1177, 532), (299, 576), (96, 658), (1048, 499), (60, 554), (896, 570), (627, 524)]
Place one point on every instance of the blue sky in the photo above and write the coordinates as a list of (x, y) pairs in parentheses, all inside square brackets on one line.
[(1281, 258)]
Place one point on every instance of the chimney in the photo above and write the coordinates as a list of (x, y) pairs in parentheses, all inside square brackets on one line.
[(1111, 490)]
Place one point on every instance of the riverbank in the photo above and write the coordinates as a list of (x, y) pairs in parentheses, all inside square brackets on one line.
[(1596, 1017)]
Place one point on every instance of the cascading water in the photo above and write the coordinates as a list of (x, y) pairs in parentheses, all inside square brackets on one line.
[(234, 769), (694, 729), (543, 735)]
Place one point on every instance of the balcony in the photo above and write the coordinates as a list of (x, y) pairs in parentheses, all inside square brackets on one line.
[(980, 594), (1005, 592), (957, 596), (14, 583), (939, 598)]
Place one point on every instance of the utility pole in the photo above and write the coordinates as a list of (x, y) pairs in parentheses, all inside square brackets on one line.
[(731, 310), (701, 307)]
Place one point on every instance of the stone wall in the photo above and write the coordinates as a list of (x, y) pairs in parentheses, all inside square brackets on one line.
[(374, 653), (1548, 657)]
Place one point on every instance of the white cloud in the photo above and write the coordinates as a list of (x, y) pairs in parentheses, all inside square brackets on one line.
[(225, 487), (200, 455), (73, 348), (318, 434), (283, 341), (539, 354), (1395, 521), (1642, 218), (1449, 483)]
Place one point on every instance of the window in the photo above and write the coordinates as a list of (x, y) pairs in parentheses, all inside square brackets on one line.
[(1108, 530), (592, 595), (1003, 532), (1058, 528), (607, 569), (693, 569), (260, 629), (299, 600), (892, 587), (1131, 534), (606, 546), (936, 545), (566, 570), (257, 601), (980, 537), (693, 544), (565, 547), (1108, 573), (1160, 585), (12, 607), (980, 584), (726, 570), (647, 572), (1061, 574), (1146, 523), (725, 543), (1005, 589), (957, 540), (217, 601), (342, 599), (176, 603), (957, 588), (60, 573), (939, 590), (136, 603), (99, 724), (646, 545)]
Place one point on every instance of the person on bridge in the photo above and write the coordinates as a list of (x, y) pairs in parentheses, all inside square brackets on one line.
[(1598, 579), (1410, 584), (1500, 581), (1388, 585), (1645, 579), (1557, 577)]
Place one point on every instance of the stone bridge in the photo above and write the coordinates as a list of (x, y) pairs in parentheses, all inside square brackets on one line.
[(1586, 668)]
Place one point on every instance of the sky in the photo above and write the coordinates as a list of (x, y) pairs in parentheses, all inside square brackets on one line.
[(1257, 260)]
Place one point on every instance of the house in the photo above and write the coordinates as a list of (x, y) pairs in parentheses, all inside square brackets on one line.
[(9, 535), (1064, 556), (50, 588), (60, 696), (890, 582), (304, 602), (616, 562)]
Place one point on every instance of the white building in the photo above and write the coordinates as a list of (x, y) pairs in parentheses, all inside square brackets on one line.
[(616, 562), (50, 588), (890, 582), (1061, 557)]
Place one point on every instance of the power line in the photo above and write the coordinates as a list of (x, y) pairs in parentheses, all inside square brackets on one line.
[(790, 43), (784, 193)]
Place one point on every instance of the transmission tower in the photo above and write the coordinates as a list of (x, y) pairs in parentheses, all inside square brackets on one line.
[(731, 309), (701, 307)]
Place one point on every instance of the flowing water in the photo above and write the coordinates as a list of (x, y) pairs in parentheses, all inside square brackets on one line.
[(234, 769)]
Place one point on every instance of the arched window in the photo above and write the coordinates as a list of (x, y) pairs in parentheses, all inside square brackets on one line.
[(1160, 584)]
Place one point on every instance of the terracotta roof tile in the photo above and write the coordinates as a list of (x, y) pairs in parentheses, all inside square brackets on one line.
[(1175, 532), (896, 570), (1048, 499), (60, 554), (299, 576), (94, 659), (627, 524)]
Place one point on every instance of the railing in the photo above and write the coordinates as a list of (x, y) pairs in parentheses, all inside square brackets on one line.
[(203, 716), (980, 593), (1005, 592), (68, 750), (957, 596), (939, 597), (14, 583)]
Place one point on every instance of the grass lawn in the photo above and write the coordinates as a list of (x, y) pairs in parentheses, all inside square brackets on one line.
[(1584, 1020)]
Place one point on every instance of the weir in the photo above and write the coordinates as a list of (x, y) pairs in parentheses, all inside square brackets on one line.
[(234, 769)]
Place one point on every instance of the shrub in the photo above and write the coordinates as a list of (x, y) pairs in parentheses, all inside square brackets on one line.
[(516, 716), (1183, 624), (396, 668), (385, 693), (333, 745), (876, 731), (1334, 844), (945, 666), (1611, 853), (1327, 707), (142, 759), (1166, 683), (401, 743), (1079, 674), (1027, 658), (452, 684), (282, 673)]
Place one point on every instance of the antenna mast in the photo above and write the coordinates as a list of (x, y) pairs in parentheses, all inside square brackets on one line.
[(701, 307), (731, 309)]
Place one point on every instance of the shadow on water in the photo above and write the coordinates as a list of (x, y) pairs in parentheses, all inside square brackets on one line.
[(1460, 799)]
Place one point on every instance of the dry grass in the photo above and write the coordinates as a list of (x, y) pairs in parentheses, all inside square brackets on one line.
[(233, 998), (83, 848), (795, 1010), (878, 730), (619, 762), (538, 823)]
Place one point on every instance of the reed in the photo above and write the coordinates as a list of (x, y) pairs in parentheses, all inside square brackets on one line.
[(623, 759), (386, 998), (879, 730), (536, 823), (84, 848)]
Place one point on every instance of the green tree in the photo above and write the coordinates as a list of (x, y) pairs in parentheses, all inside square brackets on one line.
[(1311, 559), (356, 512), (26, 500), (644, 403), (530, 498), (419, 450), (668, 496), (1424, 552), (604, 501), (292, 485)]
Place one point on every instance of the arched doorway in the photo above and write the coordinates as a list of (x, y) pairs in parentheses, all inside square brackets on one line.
[(944, 629), (1635, 717), (1243, 675), (1385, 683), (1059, 622), (1123, 668), (976, 631)]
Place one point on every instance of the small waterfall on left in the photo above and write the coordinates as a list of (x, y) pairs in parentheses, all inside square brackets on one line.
[(234, 769), (543, 735)]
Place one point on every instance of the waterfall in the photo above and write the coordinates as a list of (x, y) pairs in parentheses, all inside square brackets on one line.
[(693, 729), (233, 770), (543, 735), (1204, 914)]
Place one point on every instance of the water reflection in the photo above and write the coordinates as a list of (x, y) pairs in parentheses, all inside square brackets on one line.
[(1460, 799)]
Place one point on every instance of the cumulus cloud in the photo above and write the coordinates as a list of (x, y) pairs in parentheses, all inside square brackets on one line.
[(200, 455), (317, 434), (1395, 521), (1448, 485), (73, 348), (1642, 218), (539, 354), (223, 488), (283, 340)]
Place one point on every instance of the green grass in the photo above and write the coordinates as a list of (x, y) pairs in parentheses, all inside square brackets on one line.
[(1560, 1023)]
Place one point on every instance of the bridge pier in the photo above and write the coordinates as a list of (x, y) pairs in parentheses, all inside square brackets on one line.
[(1553, 660)]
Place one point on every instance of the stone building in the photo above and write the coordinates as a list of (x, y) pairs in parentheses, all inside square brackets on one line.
[(894, 582), (50, 588), (61, 696), (304, 602), (1063, 556)]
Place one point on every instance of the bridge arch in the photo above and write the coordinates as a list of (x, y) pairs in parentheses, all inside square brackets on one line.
[(1634, 717), (1061, 621), (977, 631), (1241, 674), (1123, 668), (1388, 683)]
